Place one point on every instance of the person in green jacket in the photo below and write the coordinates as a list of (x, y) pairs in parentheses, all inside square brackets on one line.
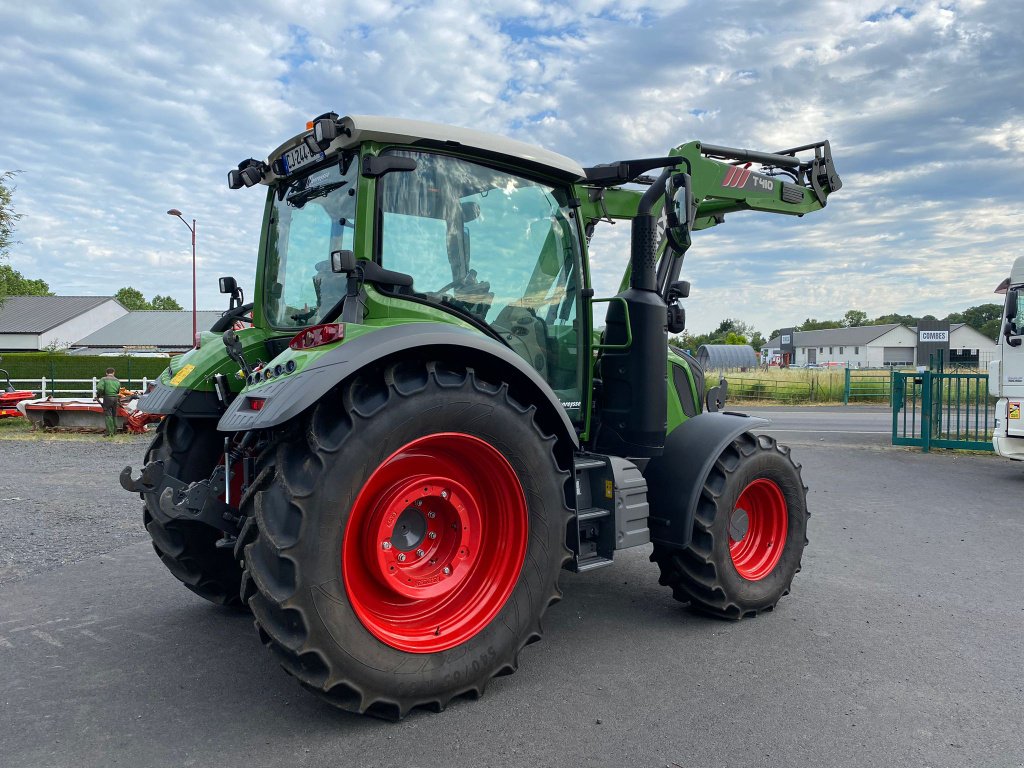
[(107, 390)]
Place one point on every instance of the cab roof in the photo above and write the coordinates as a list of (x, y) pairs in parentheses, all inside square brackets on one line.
[(418, 133)]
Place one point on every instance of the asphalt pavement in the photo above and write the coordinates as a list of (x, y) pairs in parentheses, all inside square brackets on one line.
[(900, 646)]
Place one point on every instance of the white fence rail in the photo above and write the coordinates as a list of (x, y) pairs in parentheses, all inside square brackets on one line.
[(45, 387)]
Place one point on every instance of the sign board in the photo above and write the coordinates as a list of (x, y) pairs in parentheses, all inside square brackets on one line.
[(786, 336), (932, 341)]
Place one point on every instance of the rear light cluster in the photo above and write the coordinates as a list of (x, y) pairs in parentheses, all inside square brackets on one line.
[(270, 372), (318, 335)]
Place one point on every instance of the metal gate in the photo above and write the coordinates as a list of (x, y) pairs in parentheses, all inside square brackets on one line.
[(942, 410)]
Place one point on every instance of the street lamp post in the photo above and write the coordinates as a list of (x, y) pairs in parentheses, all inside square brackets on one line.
[(192, 229)]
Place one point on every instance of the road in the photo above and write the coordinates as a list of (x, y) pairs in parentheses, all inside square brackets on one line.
[(854, 425), (900, 646)]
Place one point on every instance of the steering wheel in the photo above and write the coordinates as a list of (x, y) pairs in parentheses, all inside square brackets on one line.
[(232, 316)]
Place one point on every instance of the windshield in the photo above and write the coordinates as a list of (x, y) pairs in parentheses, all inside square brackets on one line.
[(311, 217), (494, 245)]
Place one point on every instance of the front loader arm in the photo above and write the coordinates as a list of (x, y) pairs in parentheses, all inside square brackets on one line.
[(722, 182)]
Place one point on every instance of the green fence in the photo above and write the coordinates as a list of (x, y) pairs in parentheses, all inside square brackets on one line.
[(942, 410), (867, 386)]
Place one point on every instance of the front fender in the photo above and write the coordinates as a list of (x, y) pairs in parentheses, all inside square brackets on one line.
[(675, 479), (286, 397)]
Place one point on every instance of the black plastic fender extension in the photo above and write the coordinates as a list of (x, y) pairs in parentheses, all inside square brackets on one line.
[(675, 479), (288, 396), (181, 401)]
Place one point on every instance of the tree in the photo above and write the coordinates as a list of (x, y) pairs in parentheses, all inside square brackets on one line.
[(908, 320), (8, 218), (165, 302), (854, 317), (13, 283), (735, 338), (810, 324), (132, 299)]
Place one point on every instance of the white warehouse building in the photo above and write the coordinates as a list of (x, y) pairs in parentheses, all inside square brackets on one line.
[(877, 346)]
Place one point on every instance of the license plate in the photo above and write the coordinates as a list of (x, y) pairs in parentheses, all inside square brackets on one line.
[(299, 156)]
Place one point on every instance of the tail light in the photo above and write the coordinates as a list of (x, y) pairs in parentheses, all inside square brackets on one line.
[(318, 335)]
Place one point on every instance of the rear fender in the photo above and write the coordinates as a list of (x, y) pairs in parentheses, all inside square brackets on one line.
[(675, 479), (288, 396)]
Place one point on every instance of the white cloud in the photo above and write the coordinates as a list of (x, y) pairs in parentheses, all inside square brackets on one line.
[(117, 112)]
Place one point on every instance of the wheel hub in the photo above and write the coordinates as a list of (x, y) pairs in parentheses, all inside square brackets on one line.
[(757, 529), (434, 542), (428, 538)]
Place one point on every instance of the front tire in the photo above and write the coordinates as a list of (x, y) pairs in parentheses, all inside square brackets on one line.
[(749, 533), (408, 541), (189, 449)]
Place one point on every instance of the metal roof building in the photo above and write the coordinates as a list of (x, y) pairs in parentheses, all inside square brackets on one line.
[(724, 357), (32, 323), (146, 331), (877, 346)]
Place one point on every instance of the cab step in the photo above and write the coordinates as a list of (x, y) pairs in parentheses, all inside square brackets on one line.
[(591, 563)]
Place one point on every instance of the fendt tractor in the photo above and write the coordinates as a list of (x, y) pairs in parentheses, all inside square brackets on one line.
[(419, 425), (1006, 369)]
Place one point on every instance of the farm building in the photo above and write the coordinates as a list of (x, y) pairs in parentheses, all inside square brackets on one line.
[(146, 331), (876, 346), (726, 357), (33, 323)]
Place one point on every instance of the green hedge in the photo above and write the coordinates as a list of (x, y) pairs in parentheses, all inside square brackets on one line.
[(35, 365)]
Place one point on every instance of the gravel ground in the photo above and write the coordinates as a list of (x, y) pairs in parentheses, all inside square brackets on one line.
[(60, 502)]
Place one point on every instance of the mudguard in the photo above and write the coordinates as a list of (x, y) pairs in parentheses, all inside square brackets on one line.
[(675, 479), (288, 396), (191, 403)]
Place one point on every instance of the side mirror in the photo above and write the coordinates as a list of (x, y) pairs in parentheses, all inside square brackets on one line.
[(679, 211), (343, 262), (1010, 314)]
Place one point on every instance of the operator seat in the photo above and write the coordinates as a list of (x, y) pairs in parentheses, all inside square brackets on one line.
[(330, 287)]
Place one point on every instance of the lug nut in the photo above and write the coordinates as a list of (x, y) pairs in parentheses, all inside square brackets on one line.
[(431, 515), (446, 571), (401, 558), (444, 494), (419, 553), (418, 502), (431, 535), (385, 545)]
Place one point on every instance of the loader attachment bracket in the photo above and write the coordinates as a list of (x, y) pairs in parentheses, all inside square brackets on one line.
[(150, 479)]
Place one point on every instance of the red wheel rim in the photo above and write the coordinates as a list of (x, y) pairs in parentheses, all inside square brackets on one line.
[(757, 529), (435, 542)]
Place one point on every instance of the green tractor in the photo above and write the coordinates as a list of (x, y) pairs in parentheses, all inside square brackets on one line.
[(392, 452)]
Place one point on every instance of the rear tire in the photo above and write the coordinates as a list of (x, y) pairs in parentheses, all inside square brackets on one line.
[(408, 541), (749, 533), (189, 449)]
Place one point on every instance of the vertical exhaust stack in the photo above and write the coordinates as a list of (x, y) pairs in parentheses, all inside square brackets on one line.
[(634, 395)]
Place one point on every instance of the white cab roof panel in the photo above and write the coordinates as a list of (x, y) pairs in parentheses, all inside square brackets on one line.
[(401, 131)]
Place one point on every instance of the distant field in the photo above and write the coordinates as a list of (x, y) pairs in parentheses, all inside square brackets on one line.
[(809, 385)]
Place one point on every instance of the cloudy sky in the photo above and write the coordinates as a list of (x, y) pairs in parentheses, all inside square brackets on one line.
[(116, 112)]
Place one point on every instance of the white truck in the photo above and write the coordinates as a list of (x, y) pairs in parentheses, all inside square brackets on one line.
[(1006, 370)]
